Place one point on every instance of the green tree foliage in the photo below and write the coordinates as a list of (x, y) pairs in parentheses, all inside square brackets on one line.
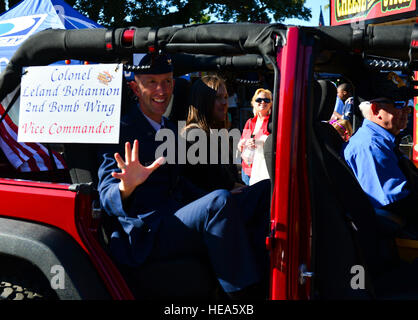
[(4, 4), (12, 3), (112, 13)]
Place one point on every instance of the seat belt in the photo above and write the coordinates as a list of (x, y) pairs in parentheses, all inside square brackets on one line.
[(351, 225)]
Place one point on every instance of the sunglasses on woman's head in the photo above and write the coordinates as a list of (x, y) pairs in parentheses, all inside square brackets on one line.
[(259, 100)]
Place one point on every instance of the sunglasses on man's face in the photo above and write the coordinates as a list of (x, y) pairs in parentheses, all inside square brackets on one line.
[(259, 100)]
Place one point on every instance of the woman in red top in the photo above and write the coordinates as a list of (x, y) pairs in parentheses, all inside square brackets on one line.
[(255, 130)]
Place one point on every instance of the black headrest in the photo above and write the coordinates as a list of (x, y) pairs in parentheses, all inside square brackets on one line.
[(181, 93), (325, 94)]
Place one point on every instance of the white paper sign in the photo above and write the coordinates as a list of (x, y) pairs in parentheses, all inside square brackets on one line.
[(78, 103)]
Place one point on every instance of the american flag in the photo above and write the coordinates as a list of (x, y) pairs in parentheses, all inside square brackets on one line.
[(25, 157), (321, 17)]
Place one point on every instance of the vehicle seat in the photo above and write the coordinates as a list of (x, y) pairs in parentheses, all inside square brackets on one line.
[(346, 228)]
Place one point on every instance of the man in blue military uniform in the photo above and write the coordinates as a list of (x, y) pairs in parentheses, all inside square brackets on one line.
[(388, 177), (161, 214)]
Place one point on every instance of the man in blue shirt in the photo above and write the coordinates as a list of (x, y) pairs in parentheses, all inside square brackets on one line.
[(375, 159), (344, 106)]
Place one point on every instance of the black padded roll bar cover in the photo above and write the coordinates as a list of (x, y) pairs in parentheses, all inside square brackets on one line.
[(143, 37), (186, 63), (88, 44), (249, 37), (152, 44), (414, 37), (109, 40), (53, 45), (34, 51), (336, 37), (140, 42), (389, 41)]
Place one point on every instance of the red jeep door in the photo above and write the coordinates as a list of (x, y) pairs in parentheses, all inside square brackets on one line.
[(290, 239), (68, 208)]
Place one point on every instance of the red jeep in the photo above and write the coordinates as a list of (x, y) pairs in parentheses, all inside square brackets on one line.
[(325, 242)]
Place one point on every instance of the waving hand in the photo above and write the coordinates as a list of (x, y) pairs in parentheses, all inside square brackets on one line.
[(133, 172)]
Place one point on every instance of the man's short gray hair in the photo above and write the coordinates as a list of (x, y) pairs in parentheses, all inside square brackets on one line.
[(365, 108)]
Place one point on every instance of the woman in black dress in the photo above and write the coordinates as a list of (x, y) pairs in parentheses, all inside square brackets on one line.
[(207, 117)]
